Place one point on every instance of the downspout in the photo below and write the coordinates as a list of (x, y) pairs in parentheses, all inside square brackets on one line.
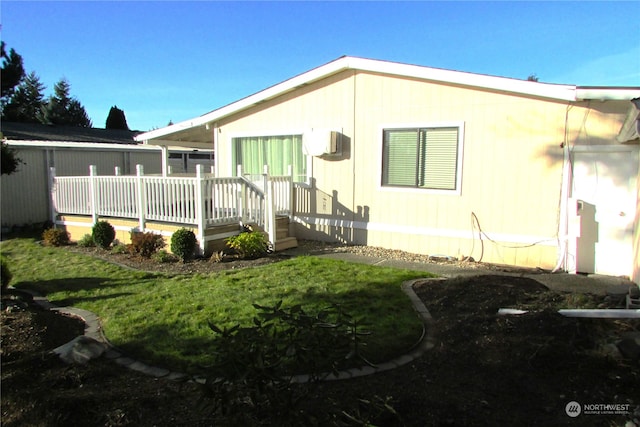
[(563, 229)]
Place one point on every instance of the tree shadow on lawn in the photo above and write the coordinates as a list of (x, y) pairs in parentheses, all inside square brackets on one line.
[(76, 284), (143, 344)]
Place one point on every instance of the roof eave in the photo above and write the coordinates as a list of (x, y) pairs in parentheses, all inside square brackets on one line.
[(523, 87), (611, 93)]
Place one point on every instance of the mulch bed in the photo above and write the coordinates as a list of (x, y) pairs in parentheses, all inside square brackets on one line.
[(484, 370)]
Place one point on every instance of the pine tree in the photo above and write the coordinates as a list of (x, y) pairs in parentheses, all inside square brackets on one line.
[(116, 119), (12, 71), (62, 109), (26, 102)]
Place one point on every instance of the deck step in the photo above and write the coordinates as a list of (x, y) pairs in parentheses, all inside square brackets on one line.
[(286, 243)]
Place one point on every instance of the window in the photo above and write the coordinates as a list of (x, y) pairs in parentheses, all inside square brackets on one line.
[(421, 158), (277, 152)]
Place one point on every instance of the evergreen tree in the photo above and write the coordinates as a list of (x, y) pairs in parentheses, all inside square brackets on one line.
[(12, 71), (62, 109), (9, 161), (116, 119), (26, 102)]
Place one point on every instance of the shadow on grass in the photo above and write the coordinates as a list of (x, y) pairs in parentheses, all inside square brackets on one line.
[(389, 332), (76, 284)]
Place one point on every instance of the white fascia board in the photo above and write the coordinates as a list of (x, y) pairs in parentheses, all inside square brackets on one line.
[(177, 145), (545, 90), (79, 145), (607, 93), (263, 95)]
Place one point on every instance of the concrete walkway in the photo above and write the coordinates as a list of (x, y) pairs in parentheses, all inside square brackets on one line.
[(563, 282)]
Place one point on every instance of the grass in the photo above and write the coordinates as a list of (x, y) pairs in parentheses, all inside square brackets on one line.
[(163, 319)]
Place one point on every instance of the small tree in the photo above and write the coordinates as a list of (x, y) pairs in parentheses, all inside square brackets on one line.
[(12, 71), (63, 109), (26, 102), (116, 119)]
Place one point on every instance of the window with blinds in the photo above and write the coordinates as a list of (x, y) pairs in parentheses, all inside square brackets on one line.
[(420, 158)]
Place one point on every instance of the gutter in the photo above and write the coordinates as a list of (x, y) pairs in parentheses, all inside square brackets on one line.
[(600, 93)]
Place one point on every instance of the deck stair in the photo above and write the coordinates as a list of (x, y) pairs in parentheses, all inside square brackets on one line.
[(284, 238)]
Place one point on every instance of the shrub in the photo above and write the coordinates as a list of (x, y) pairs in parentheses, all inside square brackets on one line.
[(183, 244), (249, 245), (55, 237), (253, 369), (146, 244), (5, 273), (86, 241), (163, 256), (103, 234), (120, 248)]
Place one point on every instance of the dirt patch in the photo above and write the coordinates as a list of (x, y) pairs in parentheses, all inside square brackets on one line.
[(484, 370)]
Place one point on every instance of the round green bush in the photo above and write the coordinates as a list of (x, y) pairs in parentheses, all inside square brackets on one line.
[(55, 237), (103, 234), (183, 243)]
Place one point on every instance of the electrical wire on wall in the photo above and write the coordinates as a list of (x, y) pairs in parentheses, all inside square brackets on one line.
[(476, 227)]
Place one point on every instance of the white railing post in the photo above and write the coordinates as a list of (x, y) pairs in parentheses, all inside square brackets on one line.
[(291, 194), (200, 211), (93, 172), (265, 177), (142, 197), (118, 171), (243, 194), (269, 204), (52, 199)]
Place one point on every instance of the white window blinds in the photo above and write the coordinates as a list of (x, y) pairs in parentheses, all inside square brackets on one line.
[(422, 158)]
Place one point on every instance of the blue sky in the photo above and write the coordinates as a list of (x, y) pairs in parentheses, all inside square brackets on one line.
[(161, 61)]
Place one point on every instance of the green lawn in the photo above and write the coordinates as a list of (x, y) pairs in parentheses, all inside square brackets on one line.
[(163, 319)]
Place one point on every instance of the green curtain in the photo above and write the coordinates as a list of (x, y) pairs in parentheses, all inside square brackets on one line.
[(277, 152)]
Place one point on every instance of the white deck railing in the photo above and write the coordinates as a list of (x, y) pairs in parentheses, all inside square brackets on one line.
[(201, 201)]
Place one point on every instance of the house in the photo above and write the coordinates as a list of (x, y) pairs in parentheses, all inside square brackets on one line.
[(71, 150), (442, 162)]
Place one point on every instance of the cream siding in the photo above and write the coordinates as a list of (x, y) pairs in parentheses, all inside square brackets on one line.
[(327, 104), (506, 208), (509, 205), (512, 160)]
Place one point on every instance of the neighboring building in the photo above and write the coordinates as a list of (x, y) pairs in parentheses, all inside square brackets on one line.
[(443, 162), (71, 150)]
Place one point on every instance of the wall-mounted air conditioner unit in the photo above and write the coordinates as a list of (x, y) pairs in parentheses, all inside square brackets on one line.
[(321, 142)]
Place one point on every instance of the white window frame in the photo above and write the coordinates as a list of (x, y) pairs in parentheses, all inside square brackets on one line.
[(419, 125), (270, 133)]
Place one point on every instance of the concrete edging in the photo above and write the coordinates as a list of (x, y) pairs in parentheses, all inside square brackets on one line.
[(93, 329)]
